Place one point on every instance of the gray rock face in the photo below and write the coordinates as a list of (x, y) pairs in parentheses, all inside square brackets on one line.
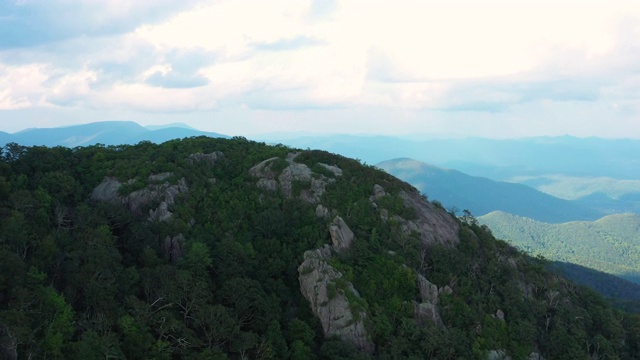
[(107, 190), (293, 172), (341, 235), (210, 159), (434, 226), (535, 356), (263, 169), (160, 177), (329, 301), (322, 212), (498, 355), (378, 191), (314, 185), (428, 291), (334, 169), (165, 193), (427, 312)]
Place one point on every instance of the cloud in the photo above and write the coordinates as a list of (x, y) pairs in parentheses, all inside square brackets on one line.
[(31, 23), (443, 59)]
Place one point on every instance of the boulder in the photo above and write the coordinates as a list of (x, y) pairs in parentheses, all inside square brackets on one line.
[(107, 190), (427, 312), (322, 212), (293, 172), (378, 191), (209, 159), (428, 291), (319, 284), (498, 355), (160, 177), (341, 235), (334, 169)]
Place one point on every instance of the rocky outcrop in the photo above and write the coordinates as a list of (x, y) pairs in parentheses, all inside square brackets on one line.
[(427, 310), (209, 159), (164, 193), (322, 212), (428, 291), (328, 294), (313, 184), (107, 190), (341, 235), (434, 226), (378, 191), (498, 355), (334, 169)]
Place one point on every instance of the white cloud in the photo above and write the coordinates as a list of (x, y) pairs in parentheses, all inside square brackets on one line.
[(284, 57)]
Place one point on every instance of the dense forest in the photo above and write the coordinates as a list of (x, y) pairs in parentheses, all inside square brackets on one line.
[(610, 244), (196, 249)]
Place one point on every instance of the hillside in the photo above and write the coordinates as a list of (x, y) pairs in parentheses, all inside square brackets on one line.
[(610, 244), (481, 195), (104, 132), (208, 248)]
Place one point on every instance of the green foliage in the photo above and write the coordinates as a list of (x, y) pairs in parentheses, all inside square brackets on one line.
[(81, 279)]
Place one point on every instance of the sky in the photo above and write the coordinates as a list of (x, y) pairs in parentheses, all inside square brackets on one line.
[(498, 69)]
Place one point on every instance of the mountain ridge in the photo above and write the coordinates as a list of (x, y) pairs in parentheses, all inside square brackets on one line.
[(482, 195)]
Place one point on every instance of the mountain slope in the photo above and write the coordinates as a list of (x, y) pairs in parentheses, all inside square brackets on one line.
[(208, 248), (610, 244), (482, 195)]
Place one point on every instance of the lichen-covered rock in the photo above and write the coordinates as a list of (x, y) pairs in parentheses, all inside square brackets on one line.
[(341, 235), (210, 159), (330, 302)]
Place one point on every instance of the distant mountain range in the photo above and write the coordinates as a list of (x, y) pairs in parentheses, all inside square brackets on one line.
[(566, 167), (481, 195), (105, 132), (610, 244)]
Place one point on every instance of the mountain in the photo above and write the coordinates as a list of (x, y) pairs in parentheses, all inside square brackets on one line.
[(610, 244), (172, 125), (624, 293), (566, 167), (212, 248), (499, 159), (104, 132), (481, 195)]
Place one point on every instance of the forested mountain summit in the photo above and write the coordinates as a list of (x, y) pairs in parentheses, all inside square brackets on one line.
[(208, 248)]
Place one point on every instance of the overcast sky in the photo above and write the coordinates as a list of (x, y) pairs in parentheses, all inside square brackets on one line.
[(454, 68)]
